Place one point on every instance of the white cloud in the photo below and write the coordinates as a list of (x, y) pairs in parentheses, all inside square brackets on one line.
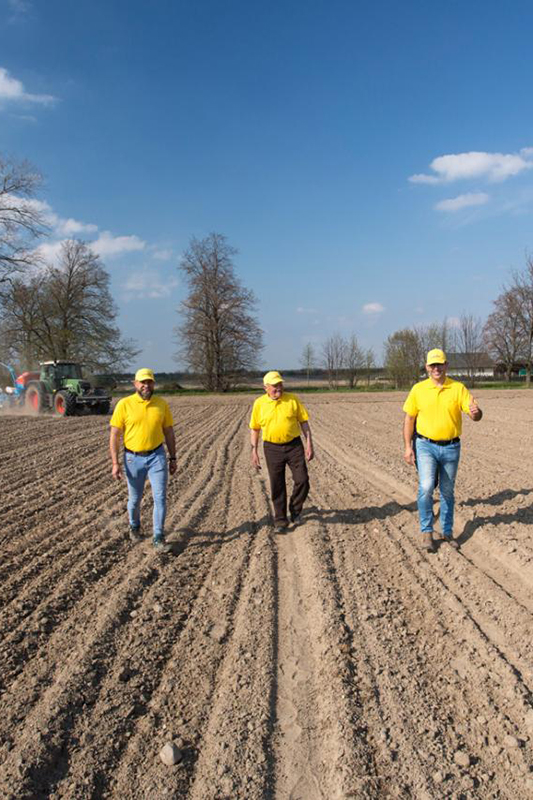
[(463, 201), (12, 90), (50, 251), (148, 284), (20, 6), (162, 255), (493, 167), (71, 227), (59, 225), (302, 310), (373, 308), (108, 245)]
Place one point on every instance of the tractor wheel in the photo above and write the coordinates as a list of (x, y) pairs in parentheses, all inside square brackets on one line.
[(34, 399), (64, 404), (103, 407)]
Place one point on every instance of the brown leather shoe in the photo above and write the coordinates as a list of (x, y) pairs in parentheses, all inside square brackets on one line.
[(427, 543)]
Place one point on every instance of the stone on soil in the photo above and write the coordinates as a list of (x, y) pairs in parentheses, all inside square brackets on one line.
[(461, 758), (170, 754)]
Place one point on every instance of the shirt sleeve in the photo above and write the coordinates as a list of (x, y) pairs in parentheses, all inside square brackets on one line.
[(117, 420), (465, 399), (301, 412), (168, 422), (255, 423), (410, 406)]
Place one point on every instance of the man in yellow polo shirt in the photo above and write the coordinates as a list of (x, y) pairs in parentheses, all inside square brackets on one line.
[(281, 416), (145, 422), (435, 406)]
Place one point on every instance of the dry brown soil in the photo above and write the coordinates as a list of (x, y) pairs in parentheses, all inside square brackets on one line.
[(336, 661)]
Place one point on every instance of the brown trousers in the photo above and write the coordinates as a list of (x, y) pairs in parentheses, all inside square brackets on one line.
[(276, 457)]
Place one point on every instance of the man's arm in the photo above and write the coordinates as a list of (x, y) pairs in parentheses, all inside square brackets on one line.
[(114, 444), (170, 441), (309, 450), (408, 431), (254, 441)]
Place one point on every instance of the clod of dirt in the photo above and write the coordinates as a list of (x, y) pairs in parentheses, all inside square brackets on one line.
[(124, 674), (462, 759), (438, 777), (170, 754), (511, 741)]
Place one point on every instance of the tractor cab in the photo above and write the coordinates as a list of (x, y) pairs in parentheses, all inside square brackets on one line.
[(62, 374)]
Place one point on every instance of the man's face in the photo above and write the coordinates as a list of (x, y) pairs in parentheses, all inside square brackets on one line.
[(437, 372), (144, 389), (274, 391)]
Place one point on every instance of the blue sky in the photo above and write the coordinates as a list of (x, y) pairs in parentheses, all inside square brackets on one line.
[(371, 161)]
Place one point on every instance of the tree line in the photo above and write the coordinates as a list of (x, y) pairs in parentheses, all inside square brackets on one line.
[(62, 310), (342, 358), (506, 336), (65, 310)]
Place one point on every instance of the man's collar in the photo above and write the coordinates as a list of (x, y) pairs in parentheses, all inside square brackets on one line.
[(447, 382)]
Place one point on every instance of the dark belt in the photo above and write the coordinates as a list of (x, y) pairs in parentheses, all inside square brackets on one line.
[(442, 442), (143, 452), (283, 444)]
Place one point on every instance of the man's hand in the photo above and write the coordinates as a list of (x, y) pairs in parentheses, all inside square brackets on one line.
[(409, 456), (475, 411), (255, 459), (309, 451), (172, 465), (116, 472)]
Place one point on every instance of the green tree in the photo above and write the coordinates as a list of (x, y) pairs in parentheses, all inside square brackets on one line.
[(403, 361)]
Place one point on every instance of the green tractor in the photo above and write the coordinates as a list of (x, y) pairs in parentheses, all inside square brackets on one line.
[(61, 387)]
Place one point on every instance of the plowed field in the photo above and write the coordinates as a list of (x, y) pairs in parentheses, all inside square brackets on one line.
[(335, 661)]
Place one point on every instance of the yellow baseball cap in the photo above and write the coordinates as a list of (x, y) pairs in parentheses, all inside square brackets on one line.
[(436, 357), (271, 378), (144, 375)]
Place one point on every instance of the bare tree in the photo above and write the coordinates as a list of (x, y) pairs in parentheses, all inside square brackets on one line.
[(436, 334), (369, 363), (503, 333), (354, 360), (65, 312), (307, 359), (469, 343), (333, 354), (521, 291), (402, 357), (219, 336), (21, 217)]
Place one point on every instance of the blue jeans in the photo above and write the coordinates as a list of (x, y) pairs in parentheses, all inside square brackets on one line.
[(430, 458), (137, 469)]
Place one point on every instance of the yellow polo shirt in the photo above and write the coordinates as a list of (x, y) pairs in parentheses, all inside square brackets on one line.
[(438, 408), (278, 419), (142, 421)]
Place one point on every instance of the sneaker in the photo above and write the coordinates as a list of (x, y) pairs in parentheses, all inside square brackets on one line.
[(452, 542), (427, 542), (160, 546), (134, 534)]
